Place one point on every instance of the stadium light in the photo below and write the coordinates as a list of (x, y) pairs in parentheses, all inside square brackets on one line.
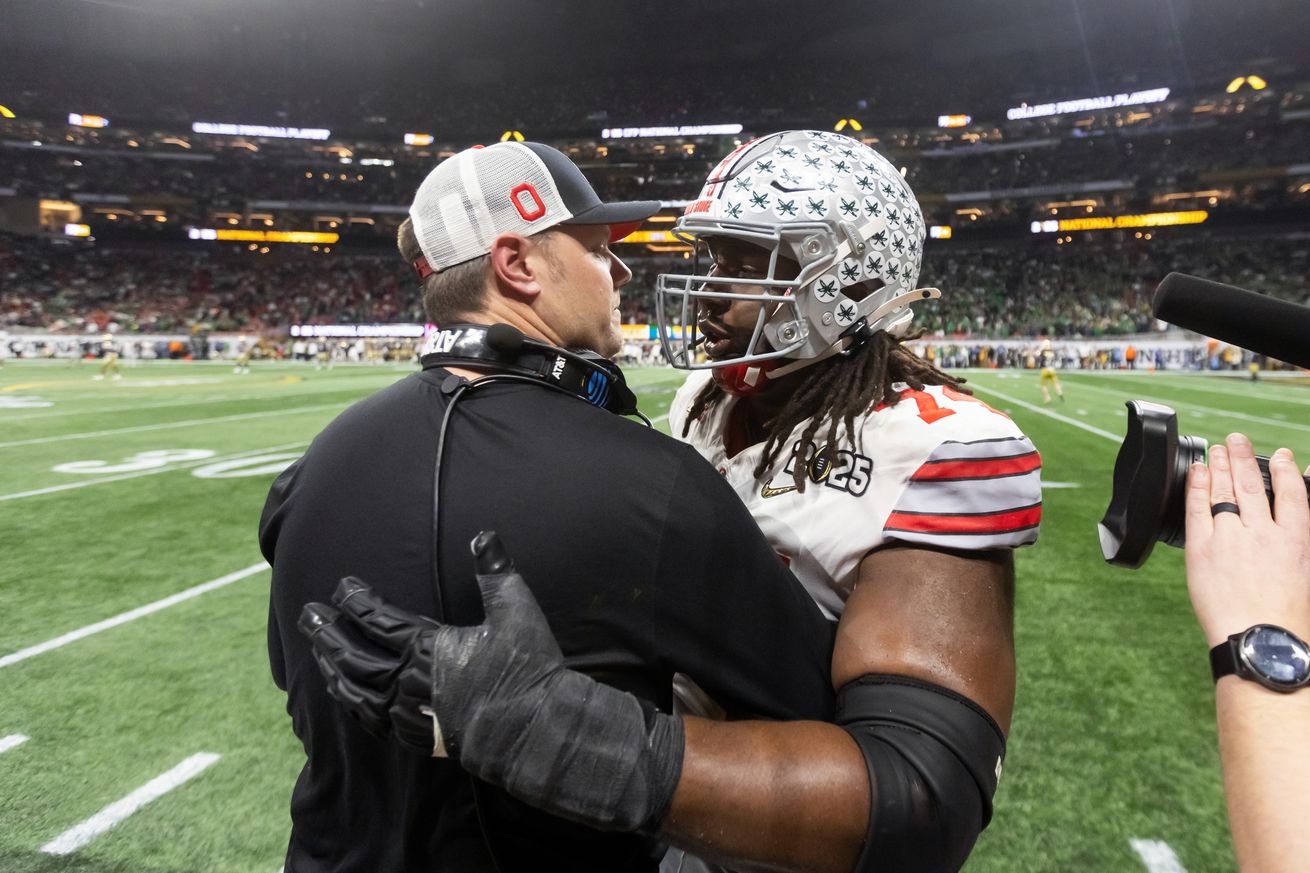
[(1256, 83), (77, 230), (684, 130), (262, 130), (80, 120), (1119, 222), (650, 236), (940, 231), (6, 112), (1088, 104), (954, 120), (302, 237), (511, 135), (844, 123), (418, 139)]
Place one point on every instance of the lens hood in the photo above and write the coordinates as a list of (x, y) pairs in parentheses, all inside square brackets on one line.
[(1150, 477)]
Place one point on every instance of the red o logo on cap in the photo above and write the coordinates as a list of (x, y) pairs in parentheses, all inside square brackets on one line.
[(538, 209)]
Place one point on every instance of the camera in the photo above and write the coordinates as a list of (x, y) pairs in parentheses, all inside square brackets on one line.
[(1150, 474), (1150, 479)]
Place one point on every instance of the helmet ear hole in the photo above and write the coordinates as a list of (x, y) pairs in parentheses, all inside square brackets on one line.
[(862, 290)]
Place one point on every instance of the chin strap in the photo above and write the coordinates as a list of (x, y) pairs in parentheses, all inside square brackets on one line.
[(744, 380)]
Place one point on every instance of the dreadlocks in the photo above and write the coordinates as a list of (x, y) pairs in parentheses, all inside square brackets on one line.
[(836, 391)]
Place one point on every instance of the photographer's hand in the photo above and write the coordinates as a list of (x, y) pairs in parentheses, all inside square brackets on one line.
[(1253, 567), (1245, 569)]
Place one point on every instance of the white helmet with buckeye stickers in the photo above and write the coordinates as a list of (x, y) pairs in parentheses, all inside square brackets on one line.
[(833, 205)]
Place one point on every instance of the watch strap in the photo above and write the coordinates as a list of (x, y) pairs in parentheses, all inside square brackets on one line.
[(1224, 660)]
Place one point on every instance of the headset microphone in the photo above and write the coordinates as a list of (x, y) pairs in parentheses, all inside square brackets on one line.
[(505, 339)]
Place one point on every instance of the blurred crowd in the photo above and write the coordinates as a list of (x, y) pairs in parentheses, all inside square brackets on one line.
[(1090, 289), (1087, 289), (79, 288)]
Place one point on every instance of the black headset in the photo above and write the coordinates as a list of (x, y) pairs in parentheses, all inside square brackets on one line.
[(508, 356)]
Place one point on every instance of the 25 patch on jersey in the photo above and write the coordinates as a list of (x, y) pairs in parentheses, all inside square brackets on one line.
[(847, 471)]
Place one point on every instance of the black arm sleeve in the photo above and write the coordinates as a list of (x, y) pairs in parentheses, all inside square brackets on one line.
[(934, 759)]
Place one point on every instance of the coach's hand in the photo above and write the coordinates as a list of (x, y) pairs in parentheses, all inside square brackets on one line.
[(497, 698)]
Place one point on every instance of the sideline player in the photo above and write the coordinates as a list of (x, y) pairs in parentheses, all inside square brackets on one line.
[(108, 358), (1048, 379), (243, 349), (893, 495)]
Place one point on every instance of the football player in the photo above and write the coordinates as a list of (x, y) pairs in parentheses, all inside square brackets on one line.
[(1047, 379), (108, 358), (244, 350), (893, 494)]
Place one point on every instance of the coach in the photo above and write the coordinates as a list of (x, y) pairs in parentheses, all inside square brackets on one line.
[(637, 581)]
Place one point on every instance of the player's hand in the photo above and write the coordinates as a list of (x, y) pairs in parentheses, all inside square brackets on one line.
[(497, 698), (422, 681), (1253, 567)]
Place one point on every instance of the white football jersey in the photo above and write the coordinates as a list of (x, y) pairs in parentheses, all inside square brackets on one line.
[(938, 468)]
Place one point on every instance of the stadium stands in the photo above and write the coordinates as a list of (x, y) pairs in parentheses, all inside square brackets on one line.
[(1000, 192), (1088, 289)]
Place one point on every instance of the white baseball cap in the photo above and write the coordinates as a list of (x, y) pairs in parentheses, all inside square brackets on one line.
[(509, 187)]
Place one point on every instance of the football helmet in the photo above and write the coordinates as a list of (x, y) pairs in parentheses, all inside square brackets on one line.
[(831, 204)]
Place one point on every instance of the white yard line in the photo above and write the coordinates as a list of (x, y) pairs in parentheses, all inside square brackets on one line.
[(130, 615), (12, 741), (1157, 856), (124, 409), (80, 834), (1209, 410), (245, 416), (1249, 390), (1081, 425), (87, 483)]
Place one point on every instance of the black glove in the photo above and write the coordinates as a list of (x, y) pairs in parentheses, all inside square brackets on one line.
[(497, 698)]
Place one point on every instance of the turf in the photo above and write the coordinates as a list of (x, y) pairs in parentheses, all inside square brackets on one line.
[(1113, 737)]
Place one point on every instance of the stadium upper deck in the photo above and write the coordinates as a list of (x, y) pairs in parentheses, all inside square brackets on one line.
[(1237, 152)]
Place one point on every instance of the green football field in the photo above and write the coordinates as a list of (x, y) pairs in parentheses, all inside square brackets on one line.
[(140, 729)]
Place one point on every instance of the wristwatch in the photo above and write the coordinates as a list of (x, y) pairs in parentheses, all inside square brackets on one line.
[(1276, 658)]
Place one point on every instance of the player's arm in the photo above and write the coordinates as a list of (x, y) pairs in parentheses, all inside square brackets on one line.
[(923, 628), (902, 781)]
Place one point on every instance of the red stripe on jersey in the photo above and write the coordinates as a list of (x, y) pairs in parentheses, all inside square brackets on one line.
[(986, 468), (996, 522)]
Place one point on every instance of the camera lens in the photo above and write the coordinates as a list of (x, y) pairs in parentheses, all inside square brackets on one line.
[(1150, 483), (1150, 475), (1173, 529)]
